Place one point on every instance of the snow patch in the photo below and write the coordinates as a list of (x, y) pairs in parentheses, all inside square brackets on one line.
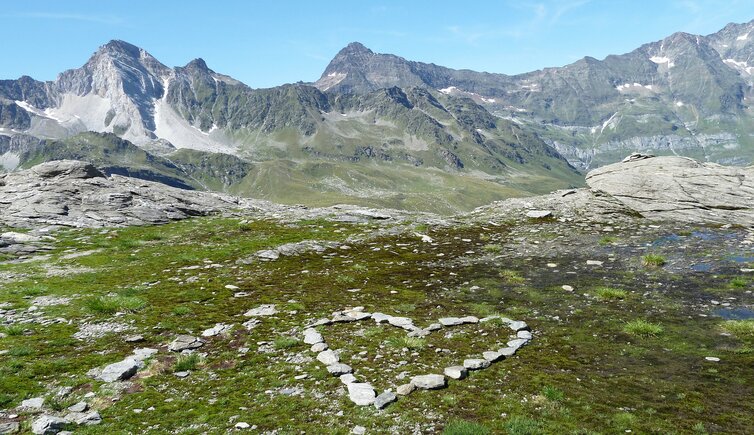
[(176, 130), (740, 66), (632, 87), (679, 103), (661, 60), (743, 37), (448, 90)]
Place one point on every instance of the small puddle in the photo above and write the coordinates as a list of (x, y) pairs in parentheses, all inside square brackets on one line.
[(701, 267), (742, 259), (735, 313)]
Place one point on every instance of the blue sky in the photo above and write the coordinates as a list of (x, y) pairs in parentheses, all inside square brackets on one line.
[(267, 43)]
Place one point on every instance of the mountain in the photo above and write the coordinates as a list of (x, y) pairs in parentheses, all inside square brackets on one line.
[(314, 147), (377, 129), (685, 94)]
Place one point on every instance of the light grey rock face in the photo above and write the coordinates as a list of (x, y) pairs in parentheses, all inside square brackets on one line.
[(507, 351), (518, 342), (48, 424), (75, 193), (119, 371), (347, 379), (79, 407), (524, 334), (492, 356), (538, 214), (339, 369), (405, 389), (476, 363), (361, 393), (33, 404), (385, 399), (262, 310), (84, 418), (319, 347), (311, 336), (518, 325), (429, 382), (680, 189), (328, 357), (456, 372), (10, 427), (218, 329), (450, 321), (185, 342)]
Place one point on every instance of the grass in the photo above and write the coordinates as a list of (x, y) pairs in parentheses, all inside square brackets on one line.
[(182, 310), (411, 343), (609, 293), (511, 276), (185, 363), (13, 330), (285, 343), (517, 425), (739, 282), (492, 248), (653, 260), (552, 393), (743, 329), (577, 375), (115, 304), (608, 240), (463, 427), (642, 328)]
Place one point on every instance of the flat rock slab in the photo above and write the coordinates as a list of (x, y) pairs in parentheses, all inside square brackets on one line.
[(680, 189), (384, 399), (311, 336), (361, 393), (339, 369), (33, 404), (184, 342), (48, 424), (429, 382), (262, 310), (328, 357), (538, 214), (450, 321), (476, 363), (456, 372), (119, 371)]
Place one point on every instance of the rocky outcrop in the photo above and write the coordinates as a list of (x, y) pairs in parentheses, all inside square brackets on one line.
[(74, 193), (679, 189), (642, 186)]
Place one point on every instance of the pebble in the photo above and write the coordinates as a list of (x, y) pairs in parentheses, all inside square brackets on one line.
[(712, 358)]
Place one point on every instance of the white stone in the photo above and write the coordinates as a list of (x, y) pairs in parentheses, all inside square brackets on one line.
[(361, 393), (429, 382), (456, 372)]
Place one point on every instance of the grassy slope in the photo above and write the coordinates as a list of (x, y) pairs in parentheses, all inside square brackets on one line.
[(582, 373)]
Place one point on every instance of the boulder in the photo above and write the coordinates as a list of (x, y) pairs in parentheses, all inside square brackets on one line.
[(679, 189), (429, 382), (48, 424)]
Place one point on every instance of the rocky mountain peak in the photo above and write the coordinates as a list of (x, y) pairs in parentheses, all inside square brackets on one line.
[(198, 64)]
